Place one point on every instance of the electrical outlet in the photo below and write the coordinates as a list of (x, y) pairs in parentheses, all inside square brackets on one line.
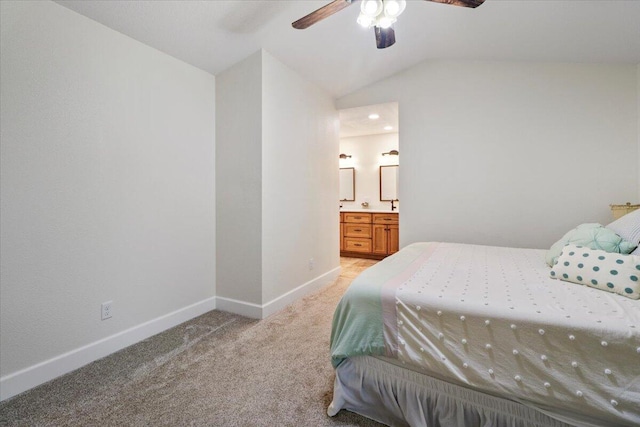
[(311, 263), (106, 310)]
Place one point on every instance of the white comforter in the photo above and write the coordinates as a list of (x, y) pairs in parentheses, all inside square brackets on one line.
[(491, 319)]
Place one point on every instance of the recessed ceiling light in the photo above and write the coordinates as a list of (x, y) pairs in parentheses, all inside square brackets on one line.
[(374, 116), (387, 127)]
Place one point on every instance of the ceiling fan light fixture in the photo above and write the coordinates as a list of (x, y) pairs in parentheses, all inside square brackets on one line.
[(376, 11)]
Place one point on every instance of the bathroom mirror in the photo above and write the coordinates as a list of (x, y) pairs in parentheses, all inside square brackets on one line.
[(389, 183), (347, 184)]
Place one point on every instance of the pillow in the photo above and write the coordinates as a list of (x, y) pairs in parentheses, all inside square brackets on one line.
[(628, 227), (599, 269), (593, 236)]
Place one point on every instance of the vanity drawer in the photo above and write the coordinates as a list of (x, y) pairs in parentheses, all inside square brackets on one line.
[(355, 244), (357, 230), (384, 218), (357, 218)]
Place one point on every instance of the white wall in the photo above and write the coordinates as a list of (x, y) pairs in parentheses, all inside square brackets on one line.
[(506, 153), (277, 155), (239, 181), (107, 191), (638, 111), (300, 181), (366, 152)]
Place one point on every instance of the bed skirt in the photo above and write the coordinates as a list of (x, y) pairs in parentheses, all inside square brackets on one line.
[(395, 396)]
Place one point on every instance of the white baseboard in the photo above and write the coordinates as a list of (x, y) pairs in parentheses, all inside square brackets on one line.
[(25, 379), (243, 308), (257, 311), (313, 285)]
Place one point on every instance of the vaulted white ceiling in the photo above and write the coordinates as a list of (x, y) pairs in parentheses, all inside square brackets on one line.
[(341, 56)]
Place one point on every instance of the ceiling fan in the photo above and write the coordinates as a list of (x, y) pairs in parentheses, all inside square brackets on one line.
[(379, 14)]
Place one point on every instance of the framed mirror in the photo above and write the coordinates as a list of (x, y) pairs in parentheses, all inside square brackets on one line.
[(347, 184), (389, 183)]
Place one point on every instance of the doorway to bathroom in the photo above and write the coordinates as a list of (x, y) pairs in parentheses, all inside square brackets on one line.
[(369, 181)]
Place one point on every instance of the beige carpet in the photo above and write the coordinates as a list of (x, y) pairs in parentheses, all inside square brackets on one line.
[(219, 369)]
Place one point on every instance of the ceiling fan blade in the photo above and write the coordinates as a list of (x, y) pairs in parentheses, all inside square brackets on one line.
[(385, 37), (320, 14), (463, 3)]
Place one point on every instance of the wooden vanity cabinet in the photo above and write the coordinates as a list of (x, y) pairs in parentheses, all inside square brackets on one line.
[(368, 235)]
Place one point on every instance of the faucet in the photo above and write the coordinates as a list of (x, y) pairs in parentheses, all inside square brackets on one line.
[(393, 207)]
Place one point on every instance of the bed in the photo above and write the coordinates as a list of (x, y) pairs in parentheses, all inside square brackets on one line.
[(444, 334)]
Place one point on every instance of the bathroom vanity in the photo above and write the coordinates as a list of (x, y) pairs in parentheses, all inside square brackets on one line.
[(368, 233)]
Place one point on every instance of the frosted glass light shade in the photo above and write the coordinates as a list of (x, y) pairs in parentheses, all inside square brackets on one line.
[(393, 8), (365, 21), (371, 8)]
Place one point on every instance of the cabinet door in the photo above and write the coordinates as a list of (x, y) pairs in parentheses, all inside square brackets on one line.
[(342, 236), (379, 239), (393, 239)]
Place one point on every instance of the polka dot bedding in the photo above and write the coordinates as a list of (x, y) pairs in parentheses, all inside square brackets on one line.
[(492, 319)]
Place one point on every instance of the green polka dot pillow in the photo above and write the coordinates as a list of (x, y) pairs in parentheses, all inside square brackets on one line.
[(599, 269)]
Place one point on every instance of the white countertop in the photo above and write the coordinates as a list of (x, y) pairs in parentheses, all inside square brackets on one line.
[(368, 210)]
